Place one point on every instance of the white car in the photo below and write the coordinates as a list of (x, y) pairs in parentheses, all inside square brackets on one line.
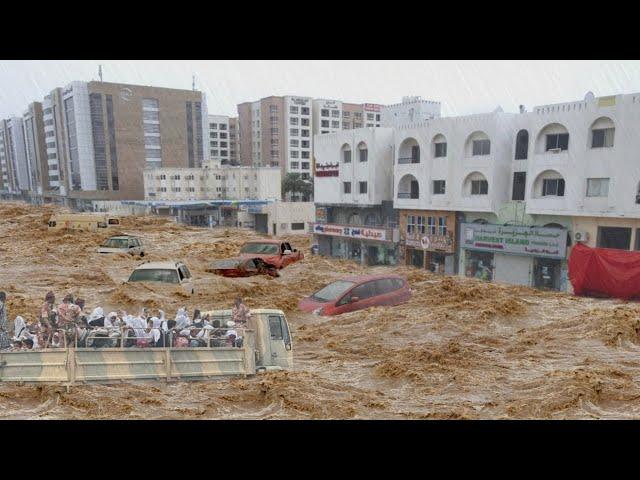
[(123, 244), (164, 272)]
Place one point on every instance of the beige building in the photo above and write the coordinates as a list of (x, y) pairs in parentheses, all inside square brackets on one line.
[(212, 183), (101, 136), (35, 149), (223, 140)]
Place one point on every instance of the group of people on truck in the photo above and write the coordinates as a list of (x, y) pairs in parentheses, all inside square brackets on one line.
[(68, 325)]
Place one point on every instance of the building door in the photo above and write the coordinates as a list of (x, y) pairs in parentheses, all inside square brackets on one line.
[(415, 257), (262, 222), (547, 273), (274, 229), (372, 255)]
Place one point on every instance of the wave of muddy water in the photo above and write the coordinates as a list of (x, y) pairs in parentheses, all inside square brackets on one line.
[(460, 348)]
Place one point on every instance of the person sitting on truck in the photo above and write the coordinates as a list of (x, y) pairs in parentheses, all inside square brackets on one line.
[(68, 315), (48, 313), (240, 314)]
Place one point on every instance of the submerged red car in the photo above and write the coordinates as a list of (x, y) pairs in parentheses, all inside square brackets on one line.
[(242, 267), (356, 293), (273, 252)]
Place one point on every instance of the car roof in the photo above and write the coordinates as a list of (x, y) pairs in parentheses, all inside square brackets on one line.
[(252, 310), (164, 265), (367, 278), (122, 237)]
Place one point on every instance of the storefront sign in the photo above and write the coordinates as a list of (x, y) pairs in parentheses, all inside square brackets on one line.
[(255, 209), (371, 107), (321, 214), (327, 169), (363, 233), (432, 242), (532, 241)]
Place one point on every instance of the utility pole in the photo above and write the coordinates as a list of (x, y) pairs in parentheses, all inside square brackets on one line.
[(100, 72)]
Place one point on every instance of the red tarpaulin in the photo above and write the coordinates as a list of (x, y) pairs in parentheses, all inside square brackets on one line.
[(605, 272)]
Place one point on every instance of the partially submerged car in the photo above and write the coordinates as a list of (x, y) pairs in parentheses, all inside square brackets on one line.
[(273, 252), (356, 293), (242, 267), (164, 272), (123, 244)]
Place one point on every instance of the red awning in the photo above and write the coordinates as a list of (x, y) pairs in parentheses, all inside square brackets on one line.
[(605, 272)]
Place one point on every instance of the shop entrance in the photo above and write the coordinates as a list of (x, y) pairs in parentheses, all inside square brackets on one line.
[(415, 257), (546, 273), (479, 265), (372, 256), (435, 262), (355, 251)]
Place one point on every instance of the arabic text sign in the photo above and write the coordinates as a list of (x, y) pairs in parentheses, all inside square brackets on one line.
[(431, 242), (534, 241), (351, 232)]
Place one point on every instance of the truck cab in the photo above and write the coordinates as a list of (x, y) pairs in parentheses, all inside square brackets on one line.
[(273, 343)]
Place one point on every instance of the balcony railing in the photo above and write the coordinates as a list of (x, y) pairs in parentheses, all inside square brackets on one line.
[(408, 160), (408, 195)]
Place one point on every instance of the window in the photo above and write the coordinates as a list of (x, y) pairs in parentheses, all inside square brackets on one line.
[(519, 181), (293, 109), (346, 187), (553, 187), (369, 116), (297, 226), (294, 143), (293, 154), (346, 156), (479, 187), (363, 187), (614, 237), (522, 145), (305, 165), (431, 225), (442, 225), (439, 187), (481, 147), (346, 114), (223, 135), (602, 138), (364, 153), (441, 149), (295, 165), (293, 120), (304, 154), (275, 328), (324, 112), (212, 134), (421, 226), (305, 133), (324, 123), (411, 224), (150, 103), (557, 141), (304, 111), (597, 187), (305, 143), (335, 124)]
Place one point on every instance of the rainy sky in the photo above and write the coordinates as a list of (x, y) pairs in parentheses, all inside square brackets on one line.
[(463, 87)]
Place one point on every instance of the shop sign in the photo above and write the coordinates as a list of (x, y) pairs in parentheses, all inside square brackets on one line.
[(327, 169), (533, 241), (255, 209), (371, 107), (321, 214), (363, 233), (432, 242)]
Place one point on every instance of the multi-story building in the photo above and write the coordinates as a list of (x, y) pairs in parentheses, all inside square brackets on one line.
[(35, 148), (213, 183), (101, 136), (222, 140), (15, 166), (234, 141), (327, 116), (354, 196)]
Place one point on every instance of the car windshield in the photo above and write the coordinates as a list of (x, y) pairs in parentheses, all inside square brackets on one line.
[(116, 243), (261, 248), (154, 275), (332, 291)]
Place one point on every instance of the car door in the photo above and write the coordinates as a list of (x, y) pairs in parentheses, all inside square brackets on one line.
[(185, 278), (387, 289), (365, 293), (279, 341)]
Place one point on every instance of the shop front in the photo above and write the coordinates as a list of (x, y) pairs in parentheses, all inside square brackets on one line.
[(369, 246), (518, 255), (427, 240)]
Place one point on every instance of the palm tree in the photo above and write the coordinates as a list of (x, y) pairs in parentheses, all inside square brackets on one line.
[(294, 183)]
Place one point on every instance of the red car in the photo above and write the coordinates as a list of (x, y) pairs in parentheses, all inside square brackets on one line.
[(356, 293), (242, 267), (274, 252)]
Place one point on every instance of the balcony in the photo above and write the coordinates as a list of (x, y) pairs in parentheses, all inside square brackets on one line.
[(408, 195), (405, 160)]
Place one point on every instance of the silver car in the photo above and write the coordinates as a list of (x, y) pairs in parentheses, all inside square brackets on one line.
[(123, 244)]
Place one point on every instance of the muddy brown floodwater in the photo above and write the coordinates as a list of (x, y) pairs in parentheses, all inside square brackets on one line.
[(459, 349)]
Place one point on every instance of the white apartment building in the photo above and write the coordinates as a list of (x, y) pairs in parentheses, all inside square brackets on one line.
[(219, 141), (298, 137), (13, 156), (411, 110), (327, 116), (213, 183), (353, 194)]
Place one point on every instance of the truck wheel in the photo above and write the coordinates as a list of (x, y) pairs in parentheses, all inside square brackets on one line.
[(141, 254)]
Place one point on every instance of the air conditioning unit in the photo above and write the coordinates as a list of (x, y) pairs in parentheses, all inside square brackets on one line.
[(554, 150), (581, 236)]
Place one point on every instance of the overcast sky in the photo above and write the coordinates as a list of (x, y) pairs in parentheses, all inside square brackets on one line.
[(463, 87)]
